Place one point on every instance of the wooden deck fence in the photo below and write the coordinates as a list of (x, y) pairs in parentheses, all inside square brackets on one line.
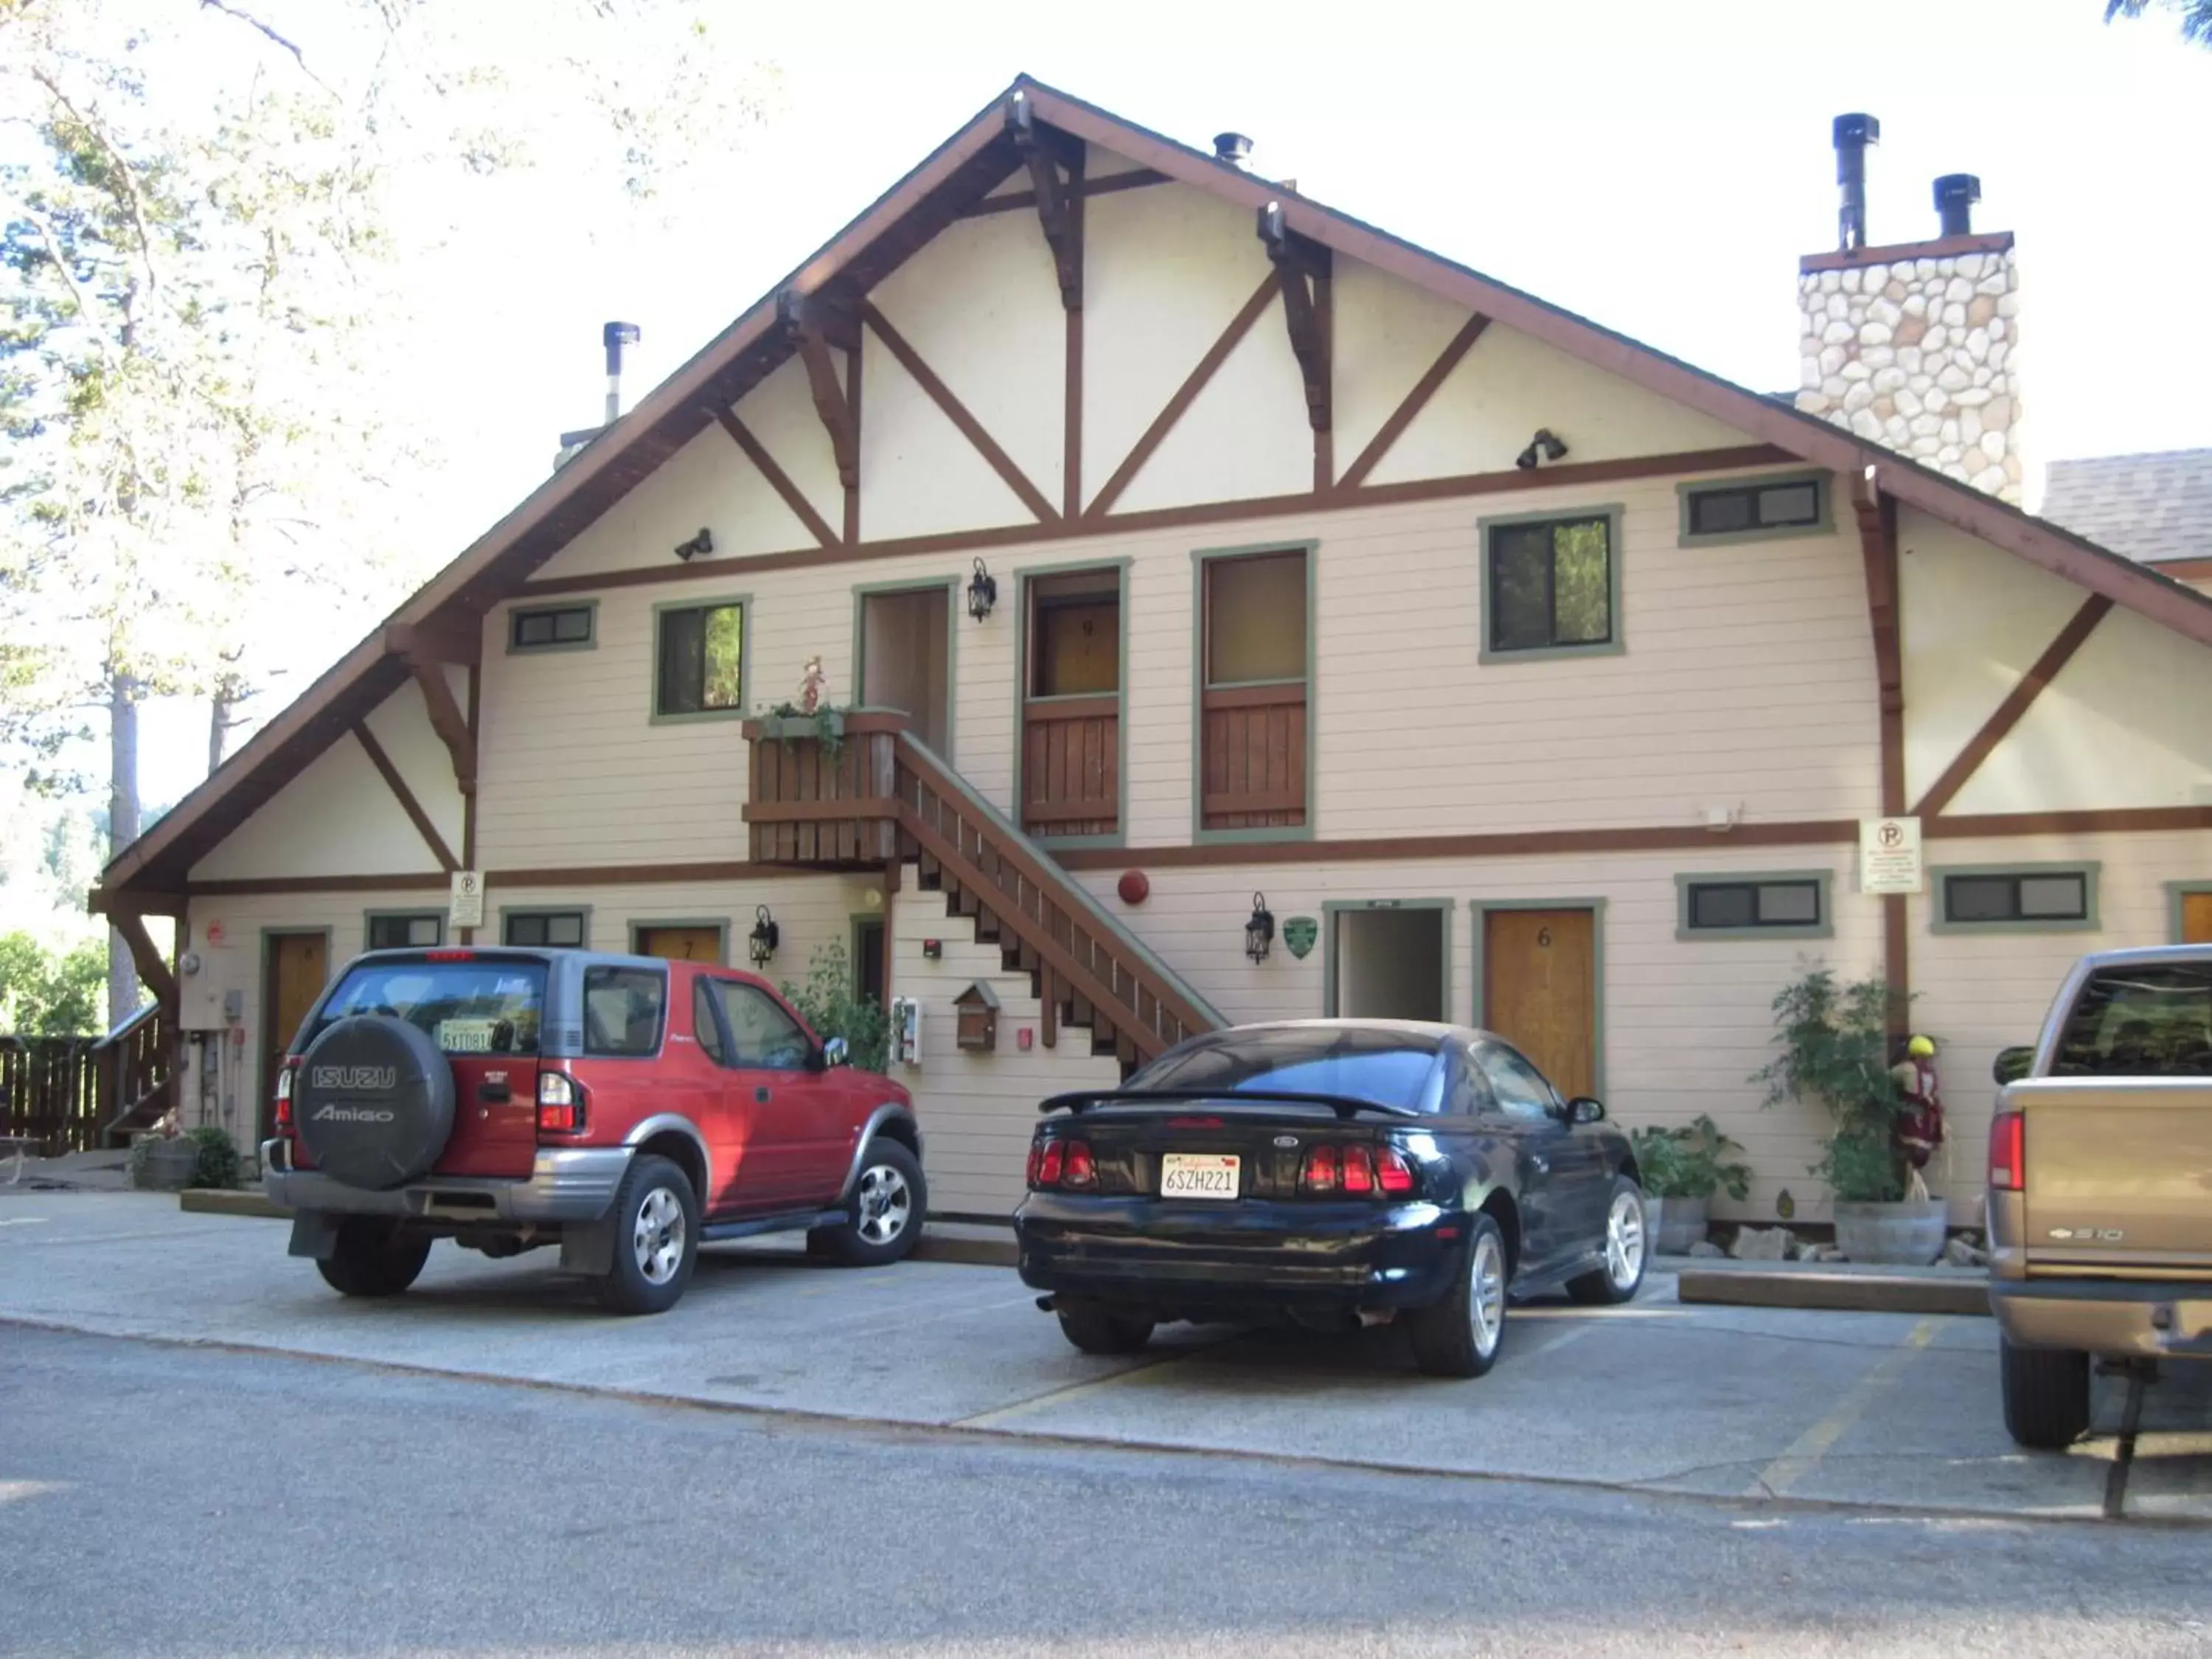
[(70, 1094)]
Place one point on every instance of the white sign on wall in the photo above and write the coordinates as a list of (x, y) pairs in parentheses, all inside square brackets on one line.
[(1889, 856), (466, 907)]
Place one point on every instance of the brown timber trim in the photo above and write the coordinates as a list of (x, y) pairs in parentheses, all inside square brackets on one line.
[(1503, 844), (1415, 400), (2007, 713), (152, 969), (1071, 454), (1185, 394), (1569, 475), (958, 413), (468, 935), (1940, 247), (587, 875), (1015, 200), (852, 361), (778, 479), (448, 721), (405, 797), (2184, 570), (2093, 821), (1877, 523)]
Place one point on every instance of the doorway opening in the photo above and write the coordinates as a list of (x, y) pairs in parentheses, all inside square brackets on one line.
[(1071, 760), (906, 658), (869, 976), (1255, 664), (1389, 960)]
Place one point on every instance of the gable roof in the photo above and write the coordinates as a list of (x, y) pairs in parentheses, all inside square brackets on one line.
[(962, 170), (2151, 508)]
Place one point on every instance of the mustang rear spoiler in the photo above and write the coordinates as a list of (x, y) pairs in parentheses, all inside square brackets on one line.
[(1345, 1106)]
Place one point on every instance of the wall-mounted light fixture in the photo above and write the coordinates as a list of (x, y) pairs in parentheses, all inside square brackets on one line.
[(698, 546), (982, 592), (763, 940), (1546, 444), (1260, 931)]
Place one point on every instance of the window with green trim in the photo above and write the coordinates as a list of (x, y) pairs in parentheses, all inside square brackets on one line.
[(1737, 906), (700, 655), (2025, 898), (1735, 509), (543, 928), (550, 628), (1550, 584), (414, 932)]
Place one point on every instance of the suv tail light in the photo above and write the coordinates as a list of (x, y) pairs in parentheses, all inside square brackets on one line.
[(560, 1102), (284, 1076), (2008, 1152), (1357, 1171), (1062, 1163)]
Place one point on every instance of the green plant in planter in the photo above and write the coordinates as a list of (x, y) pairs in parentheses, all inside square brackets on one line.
[(830, 1003), (788, 724), (1692, 1161), (217, 1164), (1834, 1041)]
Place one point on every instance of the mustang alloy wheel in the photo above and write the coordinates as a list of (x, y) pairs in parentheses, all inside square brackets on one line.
[(1625, 1250), (1460, 1334), (1486, 1293)]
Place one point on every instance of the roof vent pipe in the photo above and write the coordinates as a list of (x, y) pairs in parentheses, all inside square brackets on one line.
[(615, 337), (1853, 133), (1955, 195), (1235, 149)]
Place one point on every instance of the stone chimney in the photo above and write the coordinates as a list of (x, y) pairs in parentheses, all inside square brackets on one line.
[(1915, 345)]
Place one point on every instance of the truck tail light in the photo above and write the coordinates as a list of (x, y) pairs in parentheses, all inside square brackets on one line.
[(560, 1104), (2009, 1153), (284, 1075)]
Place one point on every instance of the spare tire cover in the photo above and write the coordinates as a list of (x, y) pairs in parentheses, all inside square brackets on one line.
[(374, 1101)]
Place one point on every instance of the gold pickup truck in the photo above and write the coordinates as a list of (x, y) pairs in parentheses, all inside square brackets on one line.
[(2100, 1185)]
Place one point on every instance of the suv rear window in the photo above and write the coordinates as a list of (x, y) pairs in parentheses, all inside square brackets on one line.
[(2151, 1021), (622, 1010), (483, 1006), (1388, 1067)]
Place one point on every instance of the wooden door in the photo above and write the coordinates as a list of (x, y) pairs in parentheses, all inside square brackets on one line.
[(682, 943), (1072, 705), (1540, 991), (295, 968), (2196, 918)]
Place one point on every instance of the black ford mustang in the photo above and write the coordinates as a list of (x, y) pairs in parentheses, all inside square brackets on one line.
[(1334, 1172)]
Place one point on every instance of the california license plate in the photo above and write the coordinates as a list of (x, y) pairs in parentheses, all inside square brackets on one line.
[(1199, 1175)]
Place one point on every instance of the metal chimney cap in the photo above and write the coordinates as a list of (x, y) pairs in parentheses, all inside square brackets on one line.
[(1856, 131), (618, 334), (1233, 148), (1961, 188)]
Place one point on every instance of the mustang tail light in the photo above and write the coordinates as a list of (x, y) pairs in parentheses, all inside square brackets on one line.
[(1356, 1171), (2008, 1152), (1082, 1168), (560, 1104), (1062, 1163), (284, 1076)]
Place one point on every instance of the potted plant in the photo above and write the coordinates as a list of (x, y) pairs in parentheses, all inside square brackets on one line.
[(163, 1163), (1834, 1043), (1682, 1169)]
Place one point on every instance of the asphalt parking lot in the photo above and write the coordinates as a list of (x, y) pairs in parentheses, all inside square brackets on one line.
[(1884, 1410)]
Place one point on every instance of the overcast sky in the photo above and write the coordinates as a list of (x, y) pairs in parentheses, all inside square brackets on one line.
[(1658, 166)]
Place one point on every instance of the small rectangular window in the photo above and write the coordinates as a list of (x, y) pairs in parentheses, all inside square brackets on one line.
[(1551, 584), (622, 1008), (558, 928), (552, 627), (1790, 904), (2027, 898), (1758, 508), (700, 659), (418, 932)]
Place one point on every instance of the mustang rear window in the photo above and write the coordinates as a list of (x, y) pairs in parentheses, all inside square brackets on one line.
[(2140, 1022), (1388, 1067), (481, 1006)]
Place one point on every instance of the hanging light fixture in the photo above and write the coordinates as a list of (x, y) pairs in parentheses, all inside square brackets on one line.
[(982, 592), (762, 942), (1260, 931)]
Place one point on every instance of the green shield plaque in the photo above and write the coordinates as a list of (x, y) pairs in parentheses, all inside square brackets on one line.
[(1299, 933)]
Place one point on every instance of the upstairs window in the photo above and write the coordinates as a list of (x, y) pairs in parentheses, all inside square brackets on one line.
[(556, 928), (1551, 584), (2045, 897), (407, 933), (699, 658), (1783, 906), (1754, 507), (551, 628)]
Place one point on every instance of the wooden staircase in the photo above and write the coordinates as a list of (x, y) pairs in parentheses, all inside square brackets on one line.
[(881, 796)]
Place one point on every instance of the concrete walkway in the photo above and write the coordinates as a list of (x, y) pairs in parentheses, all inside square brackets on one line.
[(1886, 1411)]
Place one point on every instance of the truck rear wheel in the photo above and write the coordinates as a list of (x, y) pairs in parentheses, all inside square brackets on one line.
[(2046, 1394), (374, 1258)]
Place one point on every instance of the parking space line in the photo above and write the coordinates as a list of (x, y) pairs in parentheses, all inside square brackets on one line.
[(1805, 1453), (999, 1414), (1553, 1345)]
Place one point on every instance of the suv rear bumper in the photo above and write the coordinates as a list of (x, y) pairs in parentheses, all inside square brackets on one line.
[(2146, 1318), (564, 1185)]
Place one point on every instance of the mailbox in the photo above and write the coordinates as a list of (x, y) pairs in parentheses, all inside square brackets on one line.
[(978, 1010)]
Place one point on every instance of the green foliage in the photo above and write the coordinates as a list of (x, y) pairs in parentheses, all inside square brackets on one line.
[(2196, 16), (43, 994), (218, 1158), (1695, 1161), (1834, 1039), (1860, 1167), (830, 1003)]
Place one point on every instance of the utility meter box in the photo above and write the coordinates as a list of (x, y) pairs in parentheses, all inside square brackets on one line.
[(906, 1031)]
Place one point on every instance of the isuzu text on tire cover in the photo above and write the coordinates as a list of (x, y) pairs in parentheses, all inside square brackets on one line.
[(621, 1109)]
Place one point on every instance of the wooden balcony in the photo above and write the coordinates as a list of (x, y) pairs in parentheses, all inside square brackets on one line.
[(828, 801)]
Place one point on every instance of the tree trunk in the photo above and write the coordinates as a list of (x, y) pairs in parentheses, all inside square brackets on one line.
[(122, 830), (218, 722)]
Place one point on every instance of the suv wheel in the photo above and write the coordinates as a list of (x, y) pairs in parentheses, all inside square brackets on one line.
[(2046, 1394), (656, 1219), (374, 1258), (883, 1220), (1459, 1335)]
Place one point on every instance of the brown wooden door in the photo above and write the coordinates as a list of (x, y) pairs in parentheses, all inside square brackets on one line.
[(682, 943), (298, 965), (1540, 991), (2196, 918)]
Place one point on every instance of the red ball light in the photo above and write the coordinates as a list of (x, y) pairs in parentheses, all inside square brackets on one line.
[(1135, 886)]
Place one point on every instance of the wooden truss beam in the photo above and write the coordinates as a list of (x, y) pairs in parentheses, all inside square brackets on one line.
[(1302, 272), (808, 324), (778, 479), (1049, 154), (447, 720), (1414, 401), (423, 827), (959, 414)]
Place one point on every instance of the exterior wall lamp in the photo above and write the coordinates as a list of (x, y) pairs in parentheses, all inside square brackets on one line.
[(1546, 444), (1260, 931), (760, 943), (982, 592)]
